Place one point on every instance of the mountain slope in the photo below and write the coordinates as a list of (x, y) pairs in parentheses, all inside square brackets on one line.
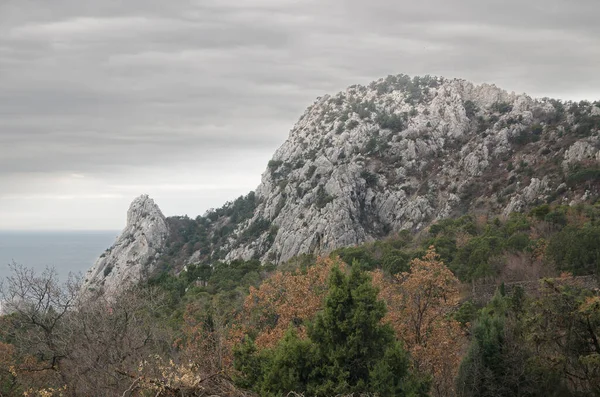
[(397, 154), (404, 152)]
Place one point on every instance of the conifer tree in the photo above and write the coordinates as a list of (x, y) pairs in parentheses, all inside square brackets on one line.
[(348, 349)]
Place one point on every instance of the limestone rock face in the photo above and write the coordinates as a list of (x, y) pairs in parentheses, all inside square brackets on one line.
[(134, 254), (370, 161), (401, 153)]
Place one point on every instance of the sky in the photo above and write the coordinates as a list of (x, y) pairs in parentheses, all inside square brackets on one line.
[(104, 100)]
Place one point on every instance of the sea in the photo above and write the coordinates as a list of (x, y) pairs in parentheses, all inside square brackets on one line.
[(65, 252)]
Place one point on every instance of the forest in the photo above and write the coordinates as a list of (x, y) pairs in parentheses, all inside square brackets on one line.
[(401, 316)]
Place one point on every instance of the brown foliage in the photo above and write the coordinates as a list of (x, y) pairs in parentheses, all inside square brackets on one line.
[(524, 267), (419, 306), (284, 299)]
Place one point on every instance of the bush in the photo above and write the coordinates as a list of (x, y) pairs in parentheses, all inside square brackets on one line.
[(518, 242), (322, 198), (576, 249), (311, 171), (369, 177), (352, 125), (502, 107), (540, 212), (470, 109), (274, 164), (357, 255), (395, 261), (583, 175), (393, 122)]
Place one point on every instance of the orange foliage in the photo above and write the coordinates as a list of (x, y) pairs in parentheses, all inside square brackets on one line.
[(203, 344), (419, 304), (284, 299)]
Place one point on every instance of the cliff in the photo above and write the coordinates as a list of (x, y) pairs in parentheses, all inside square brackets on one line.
[(134, 254), (372, 160), (402, 153)]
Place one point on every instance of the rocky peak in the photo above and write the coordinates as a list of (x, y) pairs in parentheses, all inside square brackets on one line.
[(141, 210), (134, 254), (403, 152), (373, 160)]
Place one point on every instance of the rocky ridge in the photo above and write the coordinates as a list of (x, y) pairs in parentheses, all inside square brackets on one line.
[(402, 153), (134, 254), (397, 154)]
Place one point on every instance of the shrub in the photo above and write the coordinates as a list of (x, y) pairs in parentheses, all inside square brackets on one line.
[(311, 171), (322, 198), (583, 175), (393, 122), (502, 107), (369, 177), (470, 108), (352, 124), (274, 164), (357, 255)]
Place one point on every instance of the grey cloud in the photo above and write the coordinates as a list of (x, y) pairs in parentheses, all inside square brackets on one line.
[(131, 87)]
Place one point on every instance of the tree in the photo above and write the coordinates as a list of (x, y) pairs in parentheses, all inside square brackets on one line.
[(576, 249), (38, 308), (90, 345), (420, 303), (500, 361), (110, 337), (348, 349), (565, 327), (283, 299)]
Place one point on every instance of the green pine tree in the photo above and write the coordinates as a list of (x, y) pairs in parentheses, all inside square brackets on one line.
[(348, 350), (499, 362)]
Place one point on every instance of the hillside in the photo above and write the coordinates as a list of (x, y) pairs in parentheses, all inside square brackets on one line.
[(396, 155)]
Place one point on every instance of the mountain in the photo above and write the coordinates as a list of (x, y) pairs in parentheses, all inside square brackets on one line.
[(397, 154)]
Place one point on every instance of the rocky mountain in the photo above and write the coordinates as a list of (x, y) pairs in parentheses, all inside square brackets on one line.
[(136, 251), (397, 154), (402, 153)]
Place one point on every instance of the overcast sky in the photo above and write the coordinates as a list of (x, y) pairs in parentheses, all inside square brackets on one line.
[(103, 100)]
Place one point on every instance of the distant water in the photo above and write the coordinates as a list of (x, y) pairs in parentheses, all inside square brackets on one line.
[(65, 251)]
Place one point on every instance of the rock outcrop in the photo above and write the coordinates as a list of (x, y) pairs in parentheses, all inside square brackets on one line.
[(135, 252), (373, 160), (402, 153)]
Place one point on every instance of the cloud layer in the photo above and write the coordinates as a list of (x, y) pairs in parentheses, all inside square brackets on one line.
[(186, 100)]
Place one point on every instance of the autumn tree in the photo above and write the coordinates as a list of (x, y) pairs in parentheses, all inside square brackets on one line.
[(347, 350), (420, 303), (204, 335), (283, 299)]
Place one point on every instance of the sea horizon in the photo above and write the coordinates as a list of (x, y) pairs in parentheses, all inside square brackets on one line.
[(67, 251)]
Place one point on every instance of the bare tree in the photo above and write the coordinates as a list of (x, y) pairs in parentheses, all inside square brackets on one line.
[(87, 344), (112, 337), (38, 306)]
